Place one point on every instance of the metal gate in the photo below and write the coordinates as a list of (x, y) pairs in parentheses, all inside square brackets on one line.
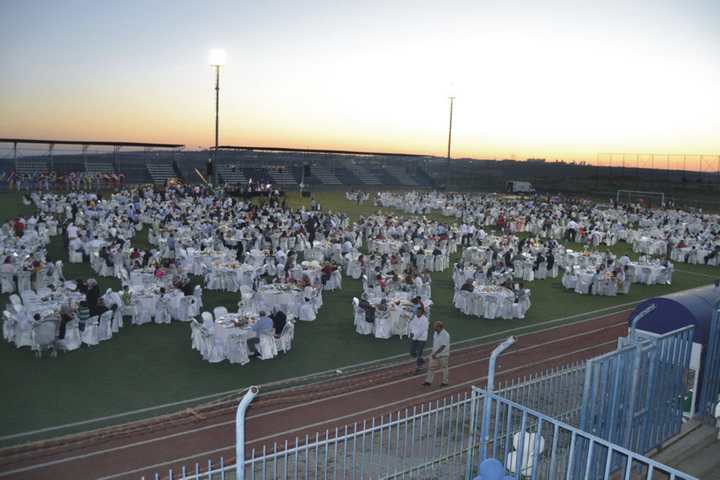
[(710, 387), (633, 396)]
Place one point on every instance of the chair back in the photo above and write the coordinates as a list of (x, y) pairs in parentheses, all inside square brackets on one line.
[(45, 332), (220, 312)]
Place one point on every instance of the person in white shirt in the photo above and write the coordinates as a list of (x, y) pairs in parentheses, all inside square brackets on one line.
[(440, 354), (418, 332), (571, 230)]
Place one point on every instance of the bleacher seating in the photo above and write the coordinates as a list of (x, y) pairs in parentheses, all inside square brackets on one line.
[(231, 173), (282, 177), (31, 166), (160, 171), (99, 166), (401, 175), (279, 169), (323, 175), (363, 174)]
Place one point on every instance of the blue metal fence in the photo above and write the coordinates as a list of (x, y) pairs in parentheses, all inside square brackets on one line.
[(440, 439), (532, 445), (633, 396), (710, 384)]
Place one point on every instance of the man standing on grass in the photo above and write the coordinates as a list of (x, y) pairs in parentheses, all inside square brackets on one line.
[(418, 330), (440, 354)]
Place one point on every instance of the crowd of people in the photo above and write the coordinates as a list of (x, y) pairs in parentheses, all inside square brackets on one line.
[(46, 181), (280, 260)]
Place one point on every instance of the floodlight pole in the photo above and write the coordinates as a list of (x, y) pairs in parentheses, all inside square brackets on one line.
[(447, 170), (217, 122)]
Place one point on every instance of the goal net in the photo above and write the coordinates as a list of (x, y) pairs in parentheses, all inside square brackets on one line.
[(645, 199)]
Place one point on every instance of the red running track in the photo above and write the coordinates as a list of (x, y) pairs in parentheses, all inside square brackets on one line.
[(157, 446)]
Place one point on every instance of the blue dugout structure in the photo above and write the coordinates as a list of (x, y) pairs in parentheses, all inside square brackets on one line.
[(699, 307)]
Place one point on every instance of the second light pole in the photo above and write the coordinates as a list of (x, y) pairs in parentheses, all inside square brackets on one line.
[(217, 60), (447, 170)]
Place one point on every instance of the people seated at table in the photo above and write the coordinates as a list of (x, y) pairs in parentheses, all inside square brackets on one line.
[(263, 326), (279, 319)]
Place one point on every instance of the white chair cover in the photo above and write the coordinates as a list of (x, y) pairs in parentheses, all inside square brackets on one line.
[(7, 282), (284, 342), (383, 325), (162, 310), (23, 278), (72, 340), (196, 335), (105, 326), (307, 311), (90, 334), (267, 348), (219, 312), (236, 349), (44, 335)]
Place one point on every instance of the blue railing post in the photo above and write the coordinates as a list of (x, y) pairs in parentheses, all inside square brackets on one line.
[(487, 402), (638, 317), (240, 431)]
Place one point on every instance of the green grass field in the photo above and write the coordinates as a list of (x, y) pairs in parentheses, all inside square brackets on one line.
[(144, 366)]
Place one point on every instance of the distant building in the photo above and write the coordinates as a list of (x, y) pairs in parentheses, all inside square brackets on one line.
[(535, 160)]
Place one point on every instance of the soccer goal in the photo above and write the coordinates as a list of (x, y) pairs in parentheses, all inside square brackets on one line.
[(646, 199)]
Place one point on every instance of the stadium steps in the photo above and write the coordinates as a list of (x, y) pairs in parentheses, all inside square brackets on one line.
[(325, 176), (282, 178), (161, 171), (363, 175), (231, 173), (401, 175), (99, 167), (28, 167)]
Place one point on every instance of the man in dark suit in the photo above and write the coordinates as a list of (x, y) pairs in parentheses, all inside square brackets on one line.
[(279, 320)]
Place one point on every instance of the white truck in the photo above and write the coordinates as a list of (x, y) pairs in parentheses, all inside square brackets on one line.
[(515, 186)]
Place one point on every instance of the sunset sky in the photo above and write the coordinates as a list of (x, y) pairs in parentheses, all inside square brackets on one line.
[(556, 79)]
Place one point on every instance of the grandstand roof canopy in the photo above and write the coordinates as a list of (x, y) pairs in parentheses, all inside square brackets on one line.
[(318, 150), (90, 142)]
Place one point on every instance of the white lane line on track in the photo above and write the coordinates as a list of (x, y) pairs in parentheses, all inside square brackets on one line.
[(344, 417), (349, 367), (292, 407)]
